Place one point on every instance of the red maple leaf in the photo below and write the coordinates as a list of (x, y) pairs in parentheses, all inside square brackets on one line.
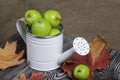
[(34, 76), (37, 76), (98, 58)]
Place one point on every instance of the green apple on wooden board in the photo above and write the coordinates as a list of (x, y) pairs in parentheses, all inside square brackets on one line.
[(81, 72)]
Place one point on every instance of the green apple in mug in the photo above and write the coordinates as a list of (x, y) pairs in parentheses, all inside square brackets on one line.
[(81, 72), (54, 31), (41, 28), (53, 17), (31, 16)]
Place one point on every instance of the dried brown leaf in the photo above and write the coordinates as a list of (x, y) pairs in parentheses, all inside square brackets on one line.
[(96, 47), (8, 57), (22, 77), (37, 76), (34, 76)]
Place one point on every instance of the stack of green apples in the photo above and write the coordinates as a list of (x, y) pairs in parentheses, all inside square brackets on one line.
[(48, 24)]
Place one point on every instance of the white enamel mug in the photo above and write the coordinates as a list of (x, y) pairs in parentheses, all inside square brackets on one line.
[(42, 52)]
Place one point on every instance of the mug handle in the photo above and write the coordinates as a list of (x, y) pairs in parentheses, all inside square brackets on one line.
[(21, 30)]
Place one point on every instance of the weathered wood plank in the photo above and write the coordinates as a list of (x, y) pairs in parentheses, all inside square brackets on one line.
[(109, 73), (13, 72)]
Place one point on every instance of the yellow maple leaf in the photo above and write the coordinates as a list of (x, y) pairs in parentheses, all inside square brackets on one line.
[(8, 57)]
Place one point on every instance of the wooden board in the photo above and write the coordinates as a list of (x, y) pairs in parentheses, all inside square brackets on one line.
[(13, 72), (110, 73)]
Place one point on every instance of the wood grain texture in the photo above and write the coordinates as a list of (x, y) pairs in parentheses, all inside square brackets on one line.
[(109, 73), (13, 72)]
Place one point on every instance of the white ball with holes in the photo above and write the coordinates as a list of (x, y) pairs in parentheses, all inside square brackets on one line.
[(81, 46)]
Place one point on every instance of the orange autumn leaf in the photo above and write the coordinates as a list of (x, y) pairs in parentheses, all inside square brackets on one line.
[(34, 76), (96, 47), (98, 58), (37, 76), (22, 77), (8, 57)]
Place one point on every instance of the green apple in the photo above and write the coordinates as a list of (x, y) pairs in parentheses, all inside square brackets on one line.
[(41, 28), (53, 16), (54, 31), (31, 16), (81, 72)]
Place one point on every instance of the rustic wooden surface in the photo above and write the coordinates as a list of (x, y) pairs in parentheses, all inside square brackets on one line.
[(112, 72), (13, 72)]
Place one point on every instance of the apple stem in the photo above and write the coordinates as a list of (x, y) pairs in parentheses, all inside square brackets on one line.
[(79, 71), (39, 21), (28, 16), (59, 19)]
